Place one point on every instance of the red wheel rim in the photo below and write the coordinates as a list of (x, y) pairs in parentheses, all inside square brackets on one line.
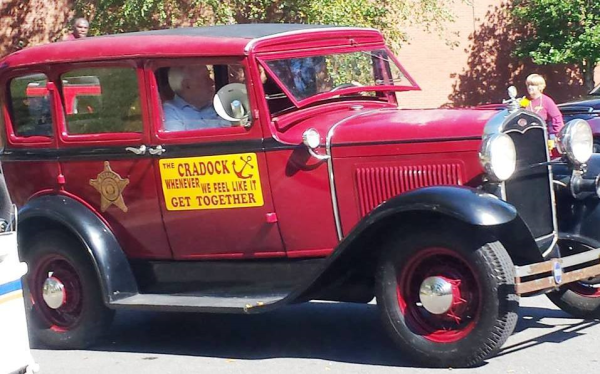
[(67, 316), (464, 313), (585, 289)]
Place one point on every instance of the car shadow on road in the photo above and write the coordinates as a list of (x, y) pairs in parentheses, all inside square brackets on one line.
[(531, 318), (349, 333)]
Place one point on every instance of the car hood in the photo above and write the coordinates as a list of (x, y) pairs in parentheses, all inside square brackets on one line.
[(582, 105), (397, 125)]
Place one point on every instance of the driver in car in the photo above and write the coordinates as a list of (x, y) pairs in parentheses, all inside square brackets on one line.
[(191, 108)]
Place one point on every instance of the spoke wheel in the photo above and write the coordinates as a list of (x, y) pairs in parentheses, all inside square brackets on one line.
[(58, 268), (64, 299), (579, 299), (460, 319)]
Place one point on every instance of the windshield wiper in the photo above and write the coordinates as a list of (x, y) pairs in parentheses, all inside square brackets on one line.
[(276, 96), (393, 80)]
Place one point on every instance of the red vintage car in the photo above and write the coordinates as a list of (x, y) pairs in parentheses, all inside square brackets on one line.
[(243, 168), (80, 93)]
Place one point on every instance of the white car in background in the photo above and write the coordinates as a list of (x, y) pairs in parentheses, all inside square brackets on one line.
[(14, 341)]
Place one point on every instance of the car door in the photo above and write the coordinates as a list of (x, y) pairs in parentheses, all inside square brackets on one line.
[(213, 178), (102, 153)]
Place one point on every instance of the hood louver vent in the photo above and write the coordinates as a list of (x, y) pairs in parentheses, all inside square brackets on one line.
[(377, 184)]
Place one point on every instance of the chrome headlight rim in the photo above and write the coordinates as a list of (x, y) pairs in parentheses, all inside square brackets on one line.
[(574, 132), (491, 162)]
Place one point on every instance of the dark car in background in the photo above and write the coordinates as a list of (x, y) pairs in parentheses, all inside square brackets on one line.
[(589, 110)]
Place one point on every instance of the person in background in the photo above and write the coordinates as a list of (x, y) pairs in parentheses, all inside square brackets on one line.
[(543, 105), (80, 29)]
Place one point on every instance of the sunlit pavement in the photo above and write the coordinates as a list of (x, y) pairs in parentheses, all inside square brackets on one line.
[(313, 338)]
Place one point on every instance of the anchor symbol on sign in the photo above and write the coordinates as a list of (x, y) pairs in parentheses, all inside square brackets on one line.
[(240, 173)]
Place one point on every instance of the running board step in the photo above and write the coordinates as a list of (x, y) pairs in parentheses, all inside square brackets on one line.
[(193, 303)]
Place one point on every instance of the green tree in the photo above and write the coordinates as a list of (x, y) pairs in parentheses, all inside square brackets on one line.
[(561, 31), (112, 16)]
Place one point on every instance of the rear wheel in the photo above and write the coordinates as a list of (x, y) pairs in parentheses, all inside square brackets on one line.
[(65, 305), (446, 298)]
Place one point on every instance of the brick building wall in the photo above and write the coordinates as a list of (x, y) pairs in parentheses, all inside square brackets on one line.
[(481, 68), (26, 23)]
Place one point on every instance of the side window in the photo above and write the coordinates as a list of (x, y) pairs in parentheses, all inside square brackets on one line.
[(102, 100), (30, 106), (187, 96)]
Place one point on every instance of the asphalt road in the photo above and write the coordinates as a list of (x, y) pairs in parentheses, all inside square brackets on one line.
[(313, 338)]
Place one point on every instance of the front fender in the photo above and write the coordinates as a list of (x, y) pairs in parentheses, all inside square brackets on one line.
[(465, 204), (578, 219), (358, 251), (115, 274)]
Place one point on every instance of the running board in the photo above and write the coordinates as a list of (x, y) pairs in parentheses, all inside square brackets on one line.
[(550, 274), (193, 303)]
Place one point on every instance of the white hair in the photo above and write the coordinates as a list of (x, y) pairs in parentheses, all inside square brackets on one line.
[(176, 76)]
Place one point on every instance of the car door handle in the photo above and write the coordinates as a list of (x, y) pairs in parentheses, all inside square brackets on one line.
[(138, 151), (159, 150)]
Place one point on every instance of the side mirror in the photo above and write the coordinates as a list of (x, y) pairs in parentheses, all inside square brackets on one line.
[(231, 103)]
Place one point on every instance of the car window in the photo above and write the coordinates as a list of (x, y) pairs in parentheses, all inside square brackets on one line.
[(30, 106), (101, 100), (187, 95)]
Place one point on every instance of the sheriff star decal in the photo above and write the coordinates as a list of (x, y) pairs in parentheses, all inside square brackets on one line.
[(111, 186)]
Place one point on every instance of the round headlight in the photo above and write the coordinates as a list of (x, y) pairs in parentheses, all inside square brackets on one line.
[(576, 141), (498, 156), (311, 138)]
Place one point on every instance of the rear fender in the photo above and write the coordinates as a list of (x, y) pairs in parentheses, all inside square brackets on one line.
[(64, 213)]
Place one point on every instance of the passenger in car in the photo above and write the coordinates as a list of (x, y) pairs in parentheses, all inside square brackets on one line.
[(191, 108)]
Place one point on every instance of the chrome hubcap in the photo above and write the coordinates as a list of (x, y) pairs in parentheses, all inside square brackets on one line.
[(436, 295), (54, 293)]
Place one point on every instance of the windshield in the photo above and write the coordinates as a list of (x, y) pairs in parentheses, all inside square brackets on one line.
[(361, 72)]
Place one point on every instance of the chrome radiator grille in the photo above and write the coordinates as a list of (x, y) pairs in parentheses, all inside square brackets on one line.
[(529, 189)]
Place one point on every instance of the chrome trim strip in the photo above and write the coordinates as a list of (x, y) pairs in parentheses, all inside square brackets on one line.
[(296, 32), (496, 124), (524, 131), (551, 247), (543, 237), (336, 208)]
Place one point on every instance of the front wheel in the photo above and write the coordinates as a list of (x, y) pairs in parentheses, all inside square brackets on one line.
[(446, 298), (65, 305), (579, 299)]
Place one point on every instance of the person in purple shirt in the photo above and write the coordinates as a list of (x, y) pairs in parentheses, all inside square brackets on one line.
[(543, 105), (191, 108)]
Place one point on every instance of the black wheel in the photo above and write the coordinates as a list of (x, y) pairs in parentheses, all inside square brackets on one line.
[(64, 299), (446, 298), (579, 299)]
